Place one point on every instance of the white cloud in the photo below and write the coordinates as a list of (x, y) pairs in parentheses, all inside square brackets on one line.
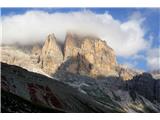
[(153, 58), (139, 57), (136, 16), (125, 38), (129, 65)]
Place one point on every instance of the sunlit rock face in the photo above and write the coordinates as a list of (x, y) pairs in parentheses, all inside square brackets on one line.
[(51, 56), (80, 54), (93, 56)]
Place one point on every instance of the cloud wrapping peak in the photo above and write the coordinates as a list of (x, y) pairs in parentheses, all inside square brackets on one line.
[(125, 38)]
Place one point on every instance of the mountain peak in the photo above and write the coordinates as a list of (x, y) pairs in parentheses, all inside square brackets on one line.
[(90, 53), (51, 56), (81, 54)]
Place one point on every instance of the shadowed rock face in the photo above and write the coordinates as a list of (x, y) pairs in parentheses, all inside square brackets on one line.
[(146, 85), (48, 92), (77, 93), (75, 65), (12, 103)]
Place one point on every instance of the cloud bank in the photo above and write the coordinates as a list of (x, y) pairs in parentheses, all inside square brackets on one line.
[(153, 58), (125, 38)]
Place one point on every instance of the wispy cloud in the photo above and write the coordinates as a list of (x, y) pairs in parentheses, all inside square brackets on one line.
[(153, 58), (129, 65)]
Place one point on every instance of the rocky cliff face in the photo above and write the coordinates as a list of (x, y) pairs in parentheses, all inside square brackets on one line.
[(51, 56), (90, 55), (83, 55)]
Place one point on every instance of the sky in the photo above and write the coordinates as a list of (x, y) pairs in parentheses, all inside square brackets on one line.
[(134, 33)]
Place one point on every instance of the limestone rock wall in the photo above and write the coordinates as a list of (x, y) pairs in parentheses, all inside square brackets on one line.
[(81, 54), (93, 56), (51, 56)]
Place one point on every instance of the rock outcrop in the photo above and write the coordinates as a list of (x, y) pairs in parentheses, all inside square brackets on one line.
[(92, 56), (36, 53), (126, 73), (155, 74), (146, 86), (15, 56), (51, 56), (83, 55)]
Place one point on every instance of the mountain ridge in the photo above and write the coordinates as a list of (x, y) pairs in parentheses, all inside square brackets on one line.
[(82, 75), (89, 52), (109, 95)]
